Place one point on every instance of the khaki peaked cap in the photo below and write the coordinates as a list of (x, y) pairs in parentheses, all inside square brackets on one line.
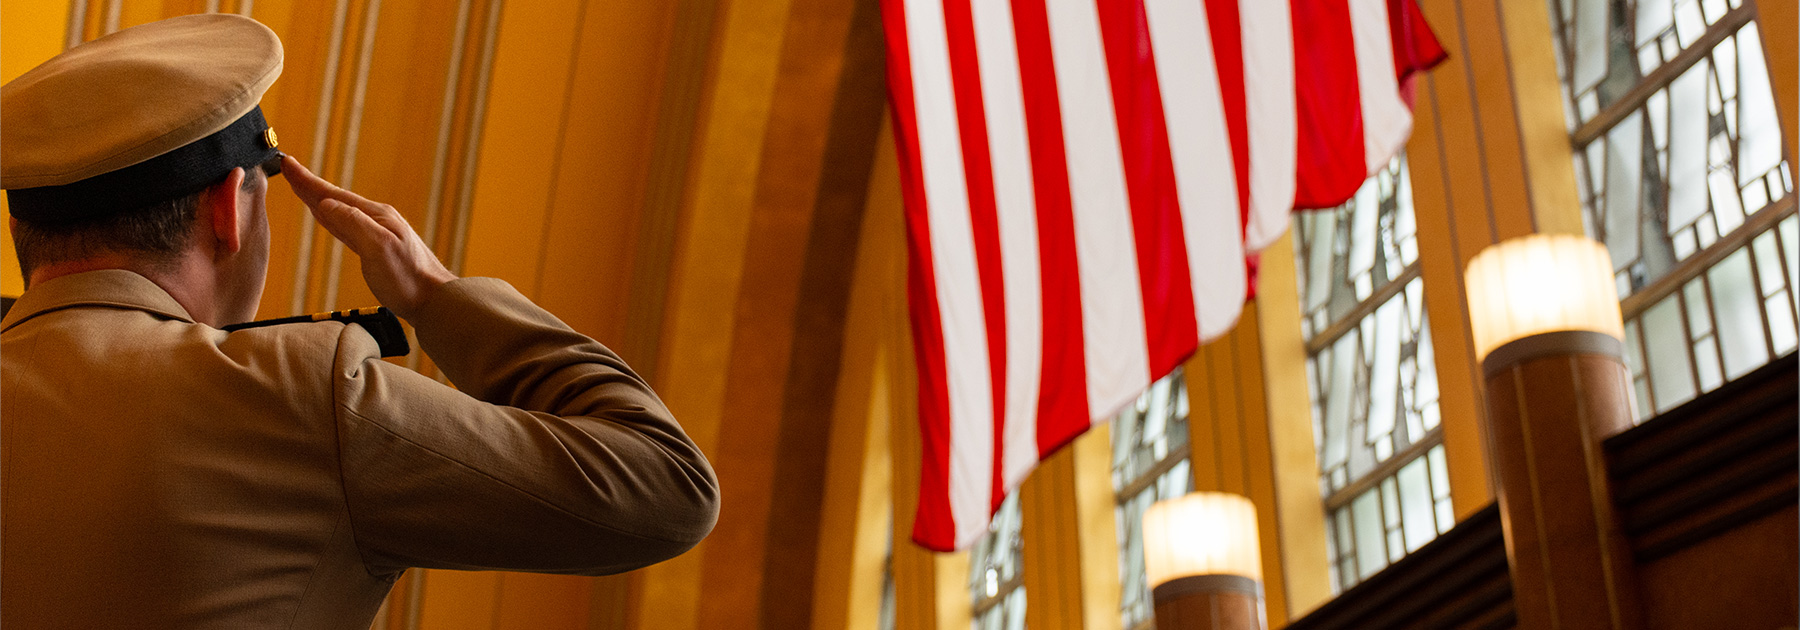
[(133, 96)]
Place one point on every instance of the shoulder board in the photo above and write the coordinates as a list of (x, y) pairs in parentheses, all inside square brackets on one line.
[(381, 323)]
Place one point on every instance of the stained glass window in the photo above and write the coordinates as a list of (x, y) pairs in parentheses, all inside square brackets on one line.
[(1678, 159), (996, 582), (1373, 378), (1607, 47), (1150, 462)]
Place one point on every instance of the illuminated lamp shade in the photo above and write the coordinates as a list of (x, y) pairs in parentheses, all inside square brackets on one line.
[(1538, 284), (1204, 533)]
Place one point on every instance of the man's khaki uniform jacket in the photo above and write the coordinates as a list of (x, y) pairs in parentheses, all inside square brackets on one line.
[(156, 472)]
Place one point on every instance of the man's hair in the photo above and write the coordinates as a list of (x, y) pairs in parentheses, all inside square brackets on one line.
[(155, 234)]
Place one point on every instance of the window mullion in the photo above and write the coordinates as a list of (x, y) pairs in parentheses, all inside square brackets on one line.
[(1005, 590), (1662, 76), (1362, 310), (1163, 466), (1698, 262), (1384, 470)]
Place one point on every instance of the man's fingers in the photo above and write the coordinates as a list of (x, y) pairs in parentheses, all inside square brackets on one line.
[(399, 268), (355, 228), (313, 189), (316, 193), (308, 187)]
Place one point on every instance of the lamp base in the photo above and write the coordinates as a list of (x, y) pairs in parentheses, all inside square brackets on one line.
[(1209, 602), (1551, 344), (1552, 400)]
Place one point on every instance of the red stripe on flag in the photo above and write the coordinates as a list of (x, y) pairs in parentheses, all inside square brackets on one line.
[(1331, 165), (933, 526), (971, 119), (1416, 48), (1062, 396), (1228, 58), (1169, 325)]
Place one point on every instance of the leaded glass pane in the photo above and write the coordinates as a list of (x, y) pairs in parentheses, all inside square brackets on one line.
[(1390, 511), (1740, 315), (1416, 504), (1768, 264), (1694, 160), (1006, 614), (1781, 324), (1671, 373), (1393, 517), (1440, 489), (1736, 316), (1370, 535), (1706, 346), (1337, 395), (1605, 47), (1777, 297), (995, 571), (1149, 430), (1619, 216), (1591, 30), (1346, 254), (1345, 559), (1640, 374), (1150, 464), (1421, 371), (1759, 131), (1384, 373), (1790, 248), (1376, 394), (1135, 603), (1653, 19), (1686, 149)]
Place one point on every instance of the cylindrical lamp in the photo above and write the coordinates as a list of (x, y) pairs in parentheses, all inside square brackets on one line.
[(1544, 284), (1204, 562), (1544, 314)]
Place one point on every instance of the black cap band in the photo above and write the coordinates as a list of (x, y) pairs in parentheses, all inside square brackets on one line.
[(184, 171)]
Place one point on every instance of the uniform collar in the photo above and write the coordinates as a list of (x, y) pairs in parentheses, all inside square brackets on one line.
[(109, 288)]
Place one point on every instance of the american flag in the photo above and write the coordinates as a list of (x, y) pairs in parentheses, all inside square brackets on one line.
[(1086, 185)]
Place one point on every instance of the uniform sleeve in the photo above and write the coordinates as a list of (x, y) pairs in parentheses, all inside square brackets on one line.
[(554, 457)]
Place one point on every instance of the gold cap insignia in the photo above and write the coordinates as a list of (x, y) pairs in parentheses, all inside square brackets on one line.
[(270, 139)]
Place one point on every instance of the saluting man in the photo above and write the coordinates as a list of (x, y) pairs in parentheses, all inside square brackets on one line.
[(160, 472)]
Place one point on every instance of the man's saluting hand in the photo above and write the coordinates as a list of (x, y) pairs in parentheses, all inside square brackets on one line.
[(398, 265)]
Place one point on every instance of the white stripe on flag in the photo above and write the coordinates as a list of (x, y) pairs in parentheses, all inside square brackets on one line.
[(1112, 307), (1386, 119), (953, 261), (1016, 205), (1271, 117), (1205, 176)]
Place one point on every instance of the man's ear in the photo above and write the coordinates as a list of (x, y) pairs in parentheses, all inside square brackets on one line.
[(221, 202)]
